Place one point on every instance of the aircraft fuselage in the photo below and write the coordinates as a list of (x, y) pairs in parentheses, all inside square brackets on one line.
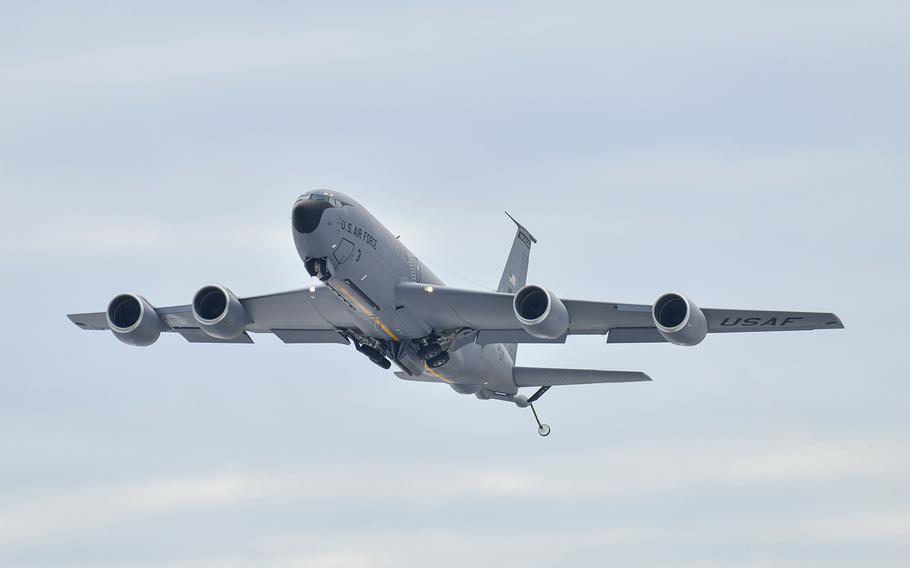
[(357, 257)]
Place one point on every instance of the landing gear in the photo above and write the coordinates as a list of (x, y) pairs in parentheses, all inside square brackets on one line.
[(429, 351), (542, 429), (369, 351), (438, 361), (318, 267), (374, 355)]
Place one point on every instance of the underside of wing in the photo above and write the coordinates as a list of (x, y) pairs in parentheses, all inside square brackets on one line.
[(311, 315), (492, 316), (731, 321)]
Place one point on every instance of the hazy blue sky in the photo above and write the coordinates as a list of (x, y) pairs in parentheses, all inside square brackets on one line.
[(748, 154)]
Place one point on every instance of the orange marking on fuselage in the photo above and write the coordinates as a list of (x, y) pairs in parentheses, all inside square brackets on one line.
[(436, 374), (366, 311)]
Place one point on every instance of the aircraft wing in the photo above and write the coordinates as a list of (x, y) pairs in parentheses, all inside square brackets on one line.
[(491, 315), (298, 316), (733, 321)]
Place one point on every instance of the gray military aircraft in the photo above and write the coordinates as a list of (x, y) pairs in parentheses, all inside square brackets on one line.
[(377, 295)]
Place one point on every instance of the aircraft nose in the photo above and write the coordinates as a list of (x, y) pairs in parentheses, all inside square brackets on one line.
[(307, 214)]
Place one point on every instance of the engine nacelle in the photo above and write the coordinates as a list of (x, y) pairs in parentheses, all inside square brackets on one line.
[(540, 312), (219, 313), (679, 321), (133, 320)]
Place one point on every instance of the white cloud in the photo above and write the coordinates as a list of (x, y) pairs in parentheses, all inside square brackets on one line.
[(113, 140), (427, 36), (627, 475)]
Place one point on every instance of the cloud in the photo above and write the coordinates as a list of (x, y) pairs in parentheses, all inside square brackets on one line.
[(736, 151), (91, 223), (422, 36), (625, 476)]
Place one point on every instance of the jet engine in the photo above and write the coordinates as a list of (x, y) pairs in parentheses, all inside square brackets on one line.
[(679, 321), (540, 312), (219, 313), (133, 320)]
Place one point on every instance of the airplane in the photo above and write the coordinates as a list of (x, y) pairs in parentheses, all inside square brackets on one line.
[(376, 294)]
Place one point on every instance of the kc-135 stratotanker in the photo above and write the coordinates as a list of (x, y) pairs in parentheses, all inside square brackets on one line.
[(379, 296)]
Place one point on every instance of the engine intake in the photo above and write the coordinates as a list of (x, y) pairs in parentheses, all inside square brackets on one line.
[(133, 320), (540, 312), (219, 313), (679, 321)]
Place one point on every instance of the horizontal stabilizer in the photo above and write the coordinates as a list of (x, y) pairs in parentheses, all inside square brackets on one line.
[(540, 376)]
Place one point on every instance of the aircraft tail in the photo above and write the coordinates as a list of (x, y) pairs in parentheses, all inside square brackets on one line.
[(515, 273)]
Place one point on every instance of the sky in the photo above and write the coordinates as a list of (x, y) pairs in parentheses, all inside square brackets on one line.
[(749, 154)]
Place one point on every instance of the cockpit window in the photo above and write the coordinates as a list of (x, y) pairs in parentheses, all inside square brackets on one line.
[(308, 211), (327, 198)]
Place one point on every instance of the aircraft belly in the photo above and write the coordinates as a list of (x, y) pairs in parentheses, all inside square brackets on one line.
[(367, 262), (366, 283), (477, 366), (366, 280)]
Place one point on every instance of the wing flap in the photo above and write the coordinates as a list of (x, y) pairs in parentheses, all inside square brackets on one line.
[(635, 335), (491, 336), (196, 335), (95, 321), (310, 336)]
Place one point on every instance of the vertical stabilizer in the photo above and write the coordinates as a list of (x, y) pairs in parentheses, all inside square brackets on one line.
[(515, 274)]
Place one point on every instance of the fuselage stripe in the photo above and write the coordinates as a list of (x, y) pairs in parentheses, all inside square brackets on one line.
[(367, 312), (436, 374)]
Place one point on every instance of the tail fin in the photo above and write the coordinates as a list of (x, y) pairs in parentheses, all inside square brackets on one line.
[(515, 274)]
